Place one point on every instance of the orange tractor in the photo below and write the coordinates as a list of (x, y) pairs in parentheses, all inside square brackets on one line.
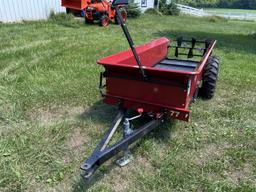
[(95, 10)]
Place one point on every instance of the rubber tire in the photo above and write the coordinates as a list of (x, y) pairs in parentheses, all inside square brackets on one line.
[(210, 77), (68, 11), (124, 15), (104, 21), (88, 21)]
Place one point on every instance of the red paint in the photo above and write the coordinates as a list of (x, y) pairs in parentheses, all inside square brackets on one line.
[(166, 90), (74, 4), (140, 110), (90, 6)]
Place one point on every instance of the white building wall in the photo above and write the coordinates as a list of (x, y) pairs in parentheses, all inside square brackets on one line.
[(18, 10), (145, 4)]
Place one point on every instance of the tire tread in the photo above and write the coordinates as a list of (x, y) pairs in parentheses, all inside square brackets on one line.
[(210, 77)]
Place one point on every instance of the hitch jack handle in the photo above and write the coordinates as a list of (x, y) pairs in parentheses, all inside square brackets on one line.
[(130, 41)]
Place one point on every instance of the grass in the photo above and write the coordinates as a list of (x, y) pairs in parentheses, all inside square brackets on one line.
[(51, 116), (233, 13), (223, 10)]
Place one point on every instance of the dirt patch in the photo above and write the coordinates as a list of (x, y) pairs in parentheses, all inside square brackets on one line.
[(142, 161), (75, 144), (120, 185), (210, 152), (239, 175), (63, 186), (76, 139), (55, 114), (123, 177)]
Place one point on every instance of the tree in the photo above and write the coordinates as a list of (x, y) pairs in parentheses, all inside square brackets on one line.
[(168, 8)]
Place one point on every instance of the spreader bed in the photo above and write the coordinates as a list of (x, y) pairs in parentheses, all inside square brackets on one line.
[(177, 65), (172, 83)]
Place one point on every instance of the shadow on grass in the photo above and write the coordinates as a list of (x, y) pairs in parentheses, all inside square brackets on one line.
[(99, 112), (81, 185), (67, 24), (103, 113), (229, 42)]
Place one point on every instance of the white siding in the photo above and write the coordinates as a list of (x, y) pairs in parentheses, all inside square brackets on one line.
[(150, 4), (17, 10)]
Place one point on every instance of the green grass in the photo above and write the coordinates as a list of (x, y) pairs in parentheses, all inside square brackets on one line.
[(233, 13), (222, 10), (51, 116)]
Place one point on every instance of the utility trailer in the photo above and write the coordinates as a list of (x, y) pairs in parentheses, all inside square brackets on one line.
[(147, 80)]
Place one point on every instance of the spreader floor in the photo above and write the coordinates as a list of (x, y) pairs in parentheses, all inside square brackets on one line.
[(179, 65)]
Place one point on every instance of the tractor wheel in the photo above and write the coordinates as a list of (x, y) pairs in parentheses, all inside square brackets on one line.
[(104, 21), (88, 21), (209, 78), (68, 10), (124, 16)]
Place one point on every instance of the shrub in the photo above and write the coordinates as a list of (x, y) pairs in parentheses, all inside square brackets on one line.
[(133, 10), (64, 19), (168, 9), (253, 35), (152, 11), (215, 19), (60, 16)]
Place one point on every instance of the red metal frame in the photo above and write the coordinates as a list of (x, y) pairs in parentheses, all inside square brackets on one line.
[(102, 6), (166, 90), (75, 4)]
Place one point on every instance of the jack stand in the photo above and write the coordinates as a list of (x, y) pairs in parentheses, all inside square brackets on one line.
[(127, 158), (127, 130)]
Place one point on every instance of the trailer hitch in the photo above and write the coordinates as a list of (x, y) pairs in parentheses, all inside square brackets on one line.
[(102, 152)]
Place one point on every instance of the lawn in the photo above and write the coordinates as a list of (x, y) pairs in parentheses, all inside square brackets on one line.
[(233, 13), (51, 114), (222, 10)]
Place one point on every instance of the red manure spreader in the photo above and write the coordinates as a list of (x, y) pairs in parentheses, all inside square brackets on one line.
[(146, 80)]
